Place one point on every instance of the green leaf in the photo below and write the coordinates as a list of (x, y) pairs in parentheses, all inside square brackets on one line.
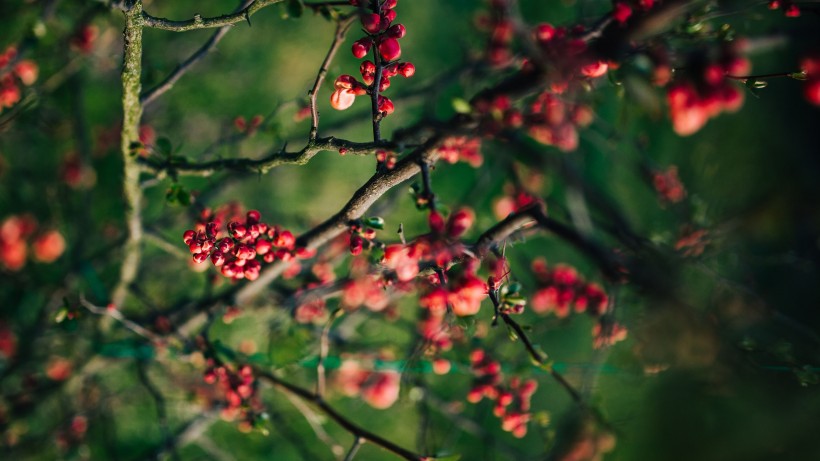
[(164, 147), (62, 314), (375, 222), (295, 8), (461, 106)]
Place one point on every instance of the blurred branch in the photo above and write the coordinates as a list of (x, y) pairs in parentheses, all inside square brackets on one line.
[(125, 321), (162, 416), (348, 425), (315, 422)]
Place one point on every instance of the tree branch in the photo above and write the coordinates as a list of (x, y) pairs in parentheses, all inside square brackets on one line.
[(198, 22), (132, 112)]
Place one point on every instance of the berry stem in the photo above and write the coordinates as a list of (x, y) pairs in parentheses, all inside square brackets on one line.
[(374, 88)]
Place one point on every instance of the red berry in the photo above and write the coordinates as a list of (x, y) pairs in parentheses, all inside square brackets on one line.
[(361, 47), (812, 91), (386, 105), (218, 258), (372, 23), (544, 32), (356, 244), (396, 31), (436, 222), (407, 69), (188, 236), (390, 49), (389, 16)]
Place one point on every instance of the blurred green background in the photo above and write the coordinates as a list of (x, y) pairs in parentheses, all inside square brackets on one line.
[(729, 373)]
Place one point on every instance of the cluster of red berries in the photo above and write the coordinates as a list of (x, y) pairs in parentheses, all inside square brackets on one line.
[(15, 232), (692, 241), (384, 35), (607, 335), (668, 186), (500, 28), (811, 88), (561, 289), (514, 199), (238, 389), (362, 233), (790, 10), (512, 403), (461, 148), (244, 126), (554, 122), (704, 91), (624, 9), (24, 71), (463, 294), (570, 53), (239, 253), (379, 389)]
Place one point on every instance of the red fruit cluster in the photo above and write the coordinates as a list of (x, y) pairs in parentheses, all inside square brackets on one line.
[(384, 35), (570, 53), (24, 71), (83, 40), (498, 114), (238, 390), (514, 199), (607, 335), (623, 10), (361, 235), (561, 289), (668, 185), (238, 254), (811, 88), (691, 241), (790, 10), (461, 148), (512, 403), (365, 290), (554, 122), (243, 126), (463, 294), (501, 34), (15, 236), (704, 91), (379, 389)]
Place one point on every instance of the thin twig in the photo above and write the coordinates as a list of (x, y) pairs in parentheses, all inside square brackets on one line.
[(119, 317), (162, 416), (341, 31), (357, 443), (151, 95), (346, 424)]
